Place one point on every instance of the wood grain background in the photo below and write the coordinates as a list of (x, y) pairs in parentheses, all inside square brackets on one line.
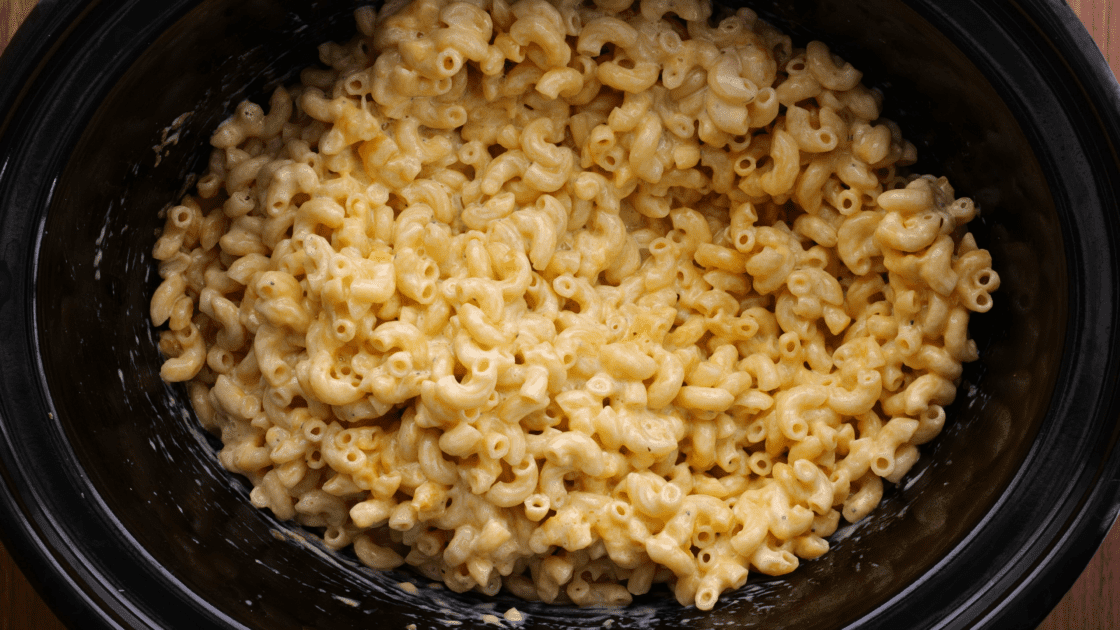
[(1090, 605)]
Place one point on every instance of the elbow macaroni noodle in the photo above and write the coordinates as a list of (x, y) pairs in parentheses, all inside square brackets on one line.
[(570, 298)]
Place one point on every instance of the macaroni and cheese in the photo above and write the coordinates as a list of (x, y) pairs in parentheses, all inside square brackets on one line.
[(570, 298)]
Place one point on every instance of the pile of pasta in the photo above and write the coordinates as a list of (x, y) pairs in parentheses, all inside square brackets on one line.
[(570, 298)]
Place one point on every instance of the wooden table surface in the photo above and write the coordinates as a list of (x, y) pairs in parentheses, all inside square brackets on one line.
[(1090, 605)]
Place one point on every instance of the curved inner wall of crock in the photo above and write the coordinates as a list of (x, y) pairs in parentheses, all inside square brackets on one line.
[(154, 467)]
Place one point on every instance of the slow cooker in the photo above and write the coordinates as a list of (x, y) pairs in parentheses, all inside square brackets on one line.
[(114, 505)]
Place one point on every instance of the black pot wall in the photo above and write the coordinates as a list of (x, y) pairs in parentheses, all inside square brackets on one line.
[(118, 510)]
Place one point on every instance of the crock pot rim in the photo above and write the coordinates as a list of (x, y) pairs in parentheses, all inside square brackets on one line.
[(1055, 568), (78, 593)]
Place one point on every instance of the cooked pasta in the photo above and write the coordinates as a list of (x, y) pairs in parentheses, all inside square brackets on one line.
[(571, 298)]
